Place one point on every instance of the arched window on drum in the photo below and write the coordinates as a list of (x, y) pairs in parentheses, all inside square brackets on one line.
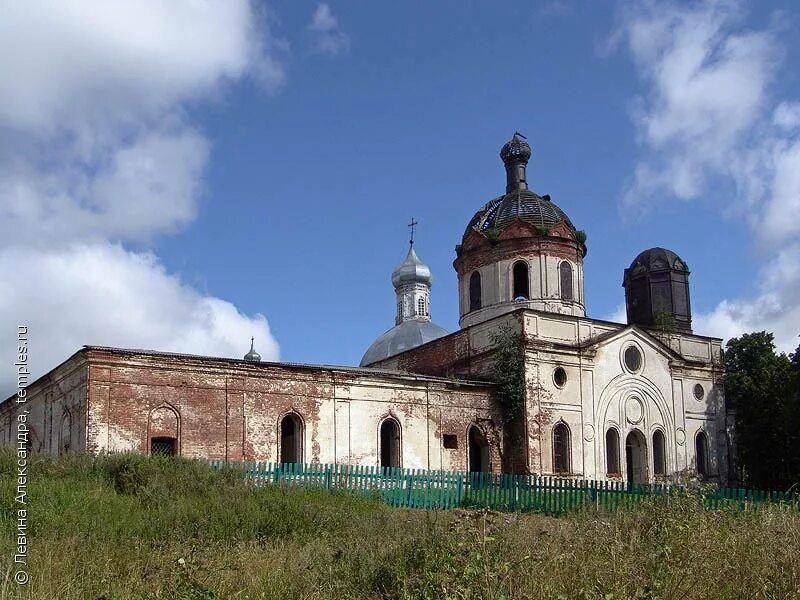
[(565, 277)]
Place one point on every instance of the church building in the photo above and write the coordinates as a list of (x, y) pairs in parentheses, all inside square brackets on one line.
[(639, 402)]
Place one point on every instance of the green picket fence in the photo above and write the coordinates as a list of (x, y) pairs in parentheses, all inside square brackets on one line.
[(417, 488)]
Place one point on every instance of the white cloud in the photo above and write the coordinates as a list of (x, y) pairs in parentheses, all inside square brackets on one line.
[(96, 149), (787, 115), (708, 116), (707, 89), (142, 188), (620, 315), (556, 8), (773, 307), (79, 64), (102, 294), (324, 26)]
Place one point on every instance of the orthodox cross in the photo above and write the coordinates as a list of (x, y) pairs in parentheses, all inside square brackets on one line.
[(413, 224)]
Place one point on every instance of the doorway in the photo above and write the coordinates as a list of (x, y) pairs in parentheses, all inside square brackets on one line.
[(291, 439), (478, 451), (636, 457), (390, 444)]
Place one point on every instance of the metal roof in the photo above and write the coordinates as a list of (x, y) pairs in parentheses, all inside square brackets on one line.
[(412, 270), (405, 336)]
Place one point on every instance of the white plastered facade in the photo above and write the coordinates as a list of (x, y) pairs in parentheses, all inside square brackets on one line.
[(601, 392)]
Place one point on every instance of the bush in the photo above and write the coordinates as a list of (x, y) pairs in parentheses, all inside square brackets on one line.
[(128, 526)]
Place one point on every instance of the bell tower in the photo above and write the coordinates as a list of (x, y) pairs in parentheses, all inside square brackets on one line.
[(657, 291)]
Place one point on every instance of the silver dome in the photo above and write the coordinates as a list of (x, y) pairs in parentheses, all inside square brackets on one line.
[(412, 270), (252, 355), (408, 334)]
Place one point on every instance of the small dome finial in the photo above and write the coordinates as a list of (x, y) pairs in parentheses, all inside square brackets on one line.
[(252, 355), (515, 154)]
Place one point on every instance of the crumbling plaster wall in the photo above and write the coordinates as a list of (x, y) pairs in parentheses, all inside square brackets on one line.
[(56, 405), (233, 410)]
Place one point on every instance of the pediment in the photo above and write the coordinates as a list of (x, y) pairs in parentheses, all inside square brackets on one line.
[(517, 229), (632, 331), (562, 230)]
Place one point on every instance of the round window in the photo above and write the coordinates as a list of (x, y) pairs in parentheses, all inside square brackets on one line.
[(699, 392), (560, 377), (633, 358)]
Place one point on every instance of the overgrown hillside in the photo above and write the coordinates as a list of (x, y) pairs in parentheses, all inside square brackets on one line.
[(135, 527)]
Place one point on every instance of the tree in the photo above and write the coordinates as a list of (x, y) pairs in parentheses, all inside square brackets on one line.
[(762, 387)]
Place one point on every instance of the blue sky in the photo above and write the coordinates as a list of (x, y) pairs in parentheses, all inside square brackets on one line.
[(203, 174)]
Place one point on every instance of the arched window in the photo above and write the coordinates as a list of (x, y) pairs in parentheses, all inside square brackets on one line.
[(562, 459), (478, 451), (164, 428), (421, 307), (475, 291), (390, 450), (701, 453), (521, 284), (399, 310), (565, 274), (65, 434), (659, 454), (291, 439), (612, 453)]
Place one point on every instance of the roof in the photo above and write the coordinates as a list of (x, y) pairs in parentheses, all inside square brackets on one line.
[(405, 336), (240, 362), (526, 205), (656, 259), (275, 364)]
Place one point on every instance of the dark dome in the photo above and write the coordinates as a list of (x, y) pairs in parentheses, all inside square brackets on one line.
[(656, 259), (516, 149), (519, 204)]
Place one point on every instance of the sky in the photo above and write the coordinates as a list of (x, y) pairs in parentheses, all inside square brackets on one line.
[(182, 175)]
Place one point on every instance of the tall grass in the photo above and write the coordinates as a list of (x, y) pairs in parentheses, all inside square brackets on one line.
[(127, 526)]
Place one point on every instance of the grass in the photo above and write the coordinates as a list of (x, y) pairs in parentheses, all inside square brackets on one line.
[(119, 527)]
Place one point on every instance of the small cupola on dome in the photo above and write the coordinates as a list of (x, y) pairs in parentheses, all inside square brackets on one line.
[(657, 291), (411, 271), (412, 282), (515, 154), (252, 355)]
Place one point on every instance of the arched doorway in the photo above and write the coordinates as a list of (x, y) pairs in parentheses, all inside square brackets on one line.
[(478, 451), (390, 443), (291, 439), (636, 457)]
